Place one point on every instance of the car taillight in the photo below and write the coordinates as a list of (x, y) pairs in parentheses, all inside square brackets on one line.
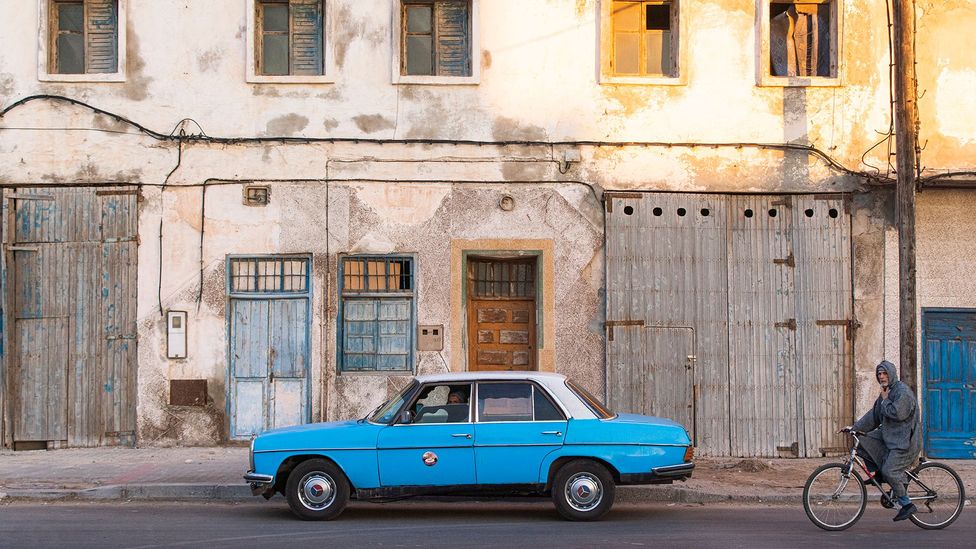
[(689, 454)]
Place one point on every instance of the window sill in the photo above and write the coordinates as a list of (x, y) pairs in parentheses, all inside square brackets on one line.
[(290, 79), (606, 79), (799, 82), (367, 373), (82, 78), (437, 80)]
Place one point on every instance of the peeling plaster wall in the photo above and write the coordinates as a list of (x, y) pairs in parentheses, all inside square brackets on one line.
[(539, 82)]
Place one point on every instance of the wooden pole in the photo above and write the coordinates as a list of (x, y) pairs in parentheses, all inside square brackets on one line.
[(906, 135)]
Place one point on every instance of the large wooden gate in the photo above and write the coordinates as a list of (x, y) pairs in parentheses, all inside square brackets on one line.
[(72, 293), (732, 314)]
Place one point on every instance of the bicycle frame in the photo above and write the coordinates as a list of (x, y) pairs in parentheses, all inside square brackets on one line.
[(871, 478)]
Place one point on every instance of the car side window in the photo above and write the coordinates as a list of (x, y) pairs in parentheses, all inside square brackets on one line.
[(545, 410), (442, 404)]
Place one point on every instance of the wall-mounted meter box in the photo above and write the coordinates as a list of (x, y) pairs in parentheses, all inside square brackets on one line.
[(175, 334), (431, 338)]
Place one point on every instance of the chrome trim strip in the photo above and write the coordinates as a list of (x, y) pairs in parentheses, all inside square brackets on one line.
[(624, 444), (289, 450), (251, 476), (673, 468)]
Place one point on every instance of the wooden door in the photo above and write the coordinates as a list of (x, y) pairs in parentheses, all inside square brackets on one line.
[(501, 314)]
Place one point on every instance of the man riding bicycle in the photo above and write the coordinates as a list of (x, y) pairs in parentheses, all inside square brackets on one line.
[(894, 435)]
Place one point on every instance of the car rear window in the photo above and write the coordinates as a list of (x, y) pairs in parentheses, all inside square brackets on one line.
[(591, 402)]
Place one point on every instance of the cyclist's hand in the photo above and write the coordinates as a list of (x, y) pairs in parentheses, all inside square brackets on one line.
[(847, 429)]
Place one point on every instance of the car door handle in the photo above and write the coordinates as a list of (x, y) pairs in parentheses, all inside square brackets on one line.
[(557, 433), (461, 435)]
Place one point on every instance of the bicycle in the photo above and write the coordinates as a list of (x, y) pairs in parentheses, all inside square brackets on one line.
[(835, 495)]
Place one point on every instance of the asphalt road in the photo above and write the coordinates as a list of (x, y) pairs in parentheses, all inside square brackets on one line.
[(449, 525)]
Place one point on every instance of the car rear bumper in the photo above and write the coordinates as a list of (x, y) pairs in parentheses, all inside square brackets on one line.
[(660, 475)]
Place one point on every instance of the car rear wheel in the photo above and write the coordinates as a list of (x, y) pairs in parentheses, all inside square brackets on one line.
[(317, 490), (583, 490)]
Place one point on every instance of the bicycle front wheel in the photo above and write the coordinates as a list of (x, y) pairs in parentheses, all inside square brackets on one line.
[(832, 499), (938, 493)]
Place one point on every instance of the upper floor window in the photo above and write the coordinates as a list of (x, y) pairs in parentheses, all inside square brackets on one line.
[(642, 33), (83, 40), (437, 41), (801, 42), (287, 41), (640, 42)]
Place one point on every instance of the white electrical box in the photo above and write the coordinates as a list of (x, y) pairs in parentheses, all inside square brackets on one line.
[(176, 334)]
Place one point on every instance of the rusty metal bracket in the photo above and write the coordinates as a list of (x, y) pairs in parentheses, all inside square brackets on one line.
[(28, 196), (611, 324), (789, 324), (792, 448), (608, 197), (789, 261), (852, 326), (784, 201)]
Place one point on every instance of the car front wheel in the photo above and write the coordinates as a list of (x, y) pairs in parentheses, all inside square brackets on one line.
[(317, 490), (583, 490)]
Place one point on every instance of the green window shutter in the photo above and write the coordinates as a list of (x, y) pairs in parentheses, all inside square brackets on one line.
[(102, 36), (453, 38), (306, 37)]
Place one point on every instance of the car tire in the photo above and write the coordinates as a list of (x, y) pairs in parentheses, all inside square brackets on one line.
[(583, 490), (317, 490)]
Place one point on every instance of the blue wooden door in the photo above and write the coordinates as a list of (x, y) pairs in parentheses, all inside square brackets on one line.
[(950, 383), (269, 364)]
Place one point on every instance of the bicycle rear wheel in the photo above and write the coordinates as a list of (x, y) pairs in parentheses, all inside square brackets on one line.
[(938, 493), (832, 499)]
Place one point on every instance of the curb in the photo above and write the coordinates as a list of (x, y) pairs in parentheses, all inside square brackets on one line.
[(241, 492)]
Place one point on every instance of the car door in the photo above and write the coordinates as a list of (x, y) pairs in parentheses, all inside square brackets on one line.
[(518, 425), (436, 448)]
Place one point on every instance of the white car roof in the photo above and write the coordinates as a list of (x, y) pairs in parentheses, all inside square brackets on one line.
[(475, 376), (554, 383)]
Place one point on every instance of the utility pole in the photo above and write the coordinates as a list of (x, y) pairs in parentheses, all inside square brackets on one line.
[(906, 140)]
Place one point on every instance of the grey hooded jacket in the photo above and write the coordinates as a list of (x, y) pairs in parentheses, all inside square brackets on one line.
[(897, 416)]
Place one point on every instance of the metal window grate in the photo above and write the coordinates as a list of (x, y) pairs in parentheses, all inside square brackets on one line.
[(377, 275), (502, 279), (269, 275)]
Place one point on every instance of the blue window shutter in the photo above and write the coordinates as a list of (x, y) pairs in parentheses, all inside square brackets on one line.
[(306, 37), (359, 334), (453, 38), (393, 336), (102, 36)]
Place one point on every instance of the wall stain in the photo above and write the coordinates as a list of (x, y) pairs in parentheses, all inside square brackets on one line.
[(6, 84), (330, 124), (370, 123), (344, 34), (136, 82), (510, 129), (485, 59), (103, 122), (209, 61), (286, 125)]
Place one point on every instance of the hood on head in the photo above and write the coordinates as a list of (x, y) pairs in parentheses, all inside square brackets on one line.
[(889, 368)]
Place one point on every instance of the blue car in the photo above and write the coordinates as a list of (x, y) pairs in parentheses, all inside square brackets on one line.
[(473, 433)]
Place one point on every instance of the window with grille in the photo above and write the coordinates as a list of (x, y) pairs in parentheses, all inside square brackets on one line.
[(502, 279), (83, 36), (377, 313), (265, 275)]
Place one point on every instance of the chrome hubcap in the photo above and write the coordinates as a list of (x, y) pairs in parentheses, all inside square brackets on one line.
[(584, 491), (317, 491)]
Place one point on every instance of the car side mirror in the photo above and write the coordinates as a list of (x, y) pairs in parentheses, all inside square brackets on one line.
[(406, 417)]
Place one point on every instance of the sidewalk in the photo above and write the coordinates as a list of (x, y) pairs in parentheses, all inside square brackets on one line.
[(214, 474)]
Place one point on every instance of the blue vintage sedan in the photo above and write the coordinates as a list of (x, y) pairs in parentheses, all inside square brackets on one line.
[(473, 433)]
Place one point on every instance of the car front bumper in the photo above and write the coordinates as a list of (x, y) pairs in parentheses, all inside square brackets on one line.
[(260, 484), (660, 475)]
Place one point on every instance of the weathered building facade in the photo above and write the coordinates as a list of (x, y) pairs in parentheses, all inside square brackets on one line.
[(222, 217)]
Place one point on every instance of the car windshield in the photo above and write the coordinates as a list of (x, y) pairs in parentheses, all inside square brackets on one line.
[(591, 402), (386, 411)]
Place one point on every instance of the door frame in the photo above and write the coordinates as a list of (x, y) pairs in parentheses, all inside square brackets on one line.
[(230, 296), (536, 339)]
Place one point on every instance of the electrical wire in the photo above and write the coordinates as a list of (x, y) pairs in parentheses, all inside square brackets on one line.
[(202, 137)]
